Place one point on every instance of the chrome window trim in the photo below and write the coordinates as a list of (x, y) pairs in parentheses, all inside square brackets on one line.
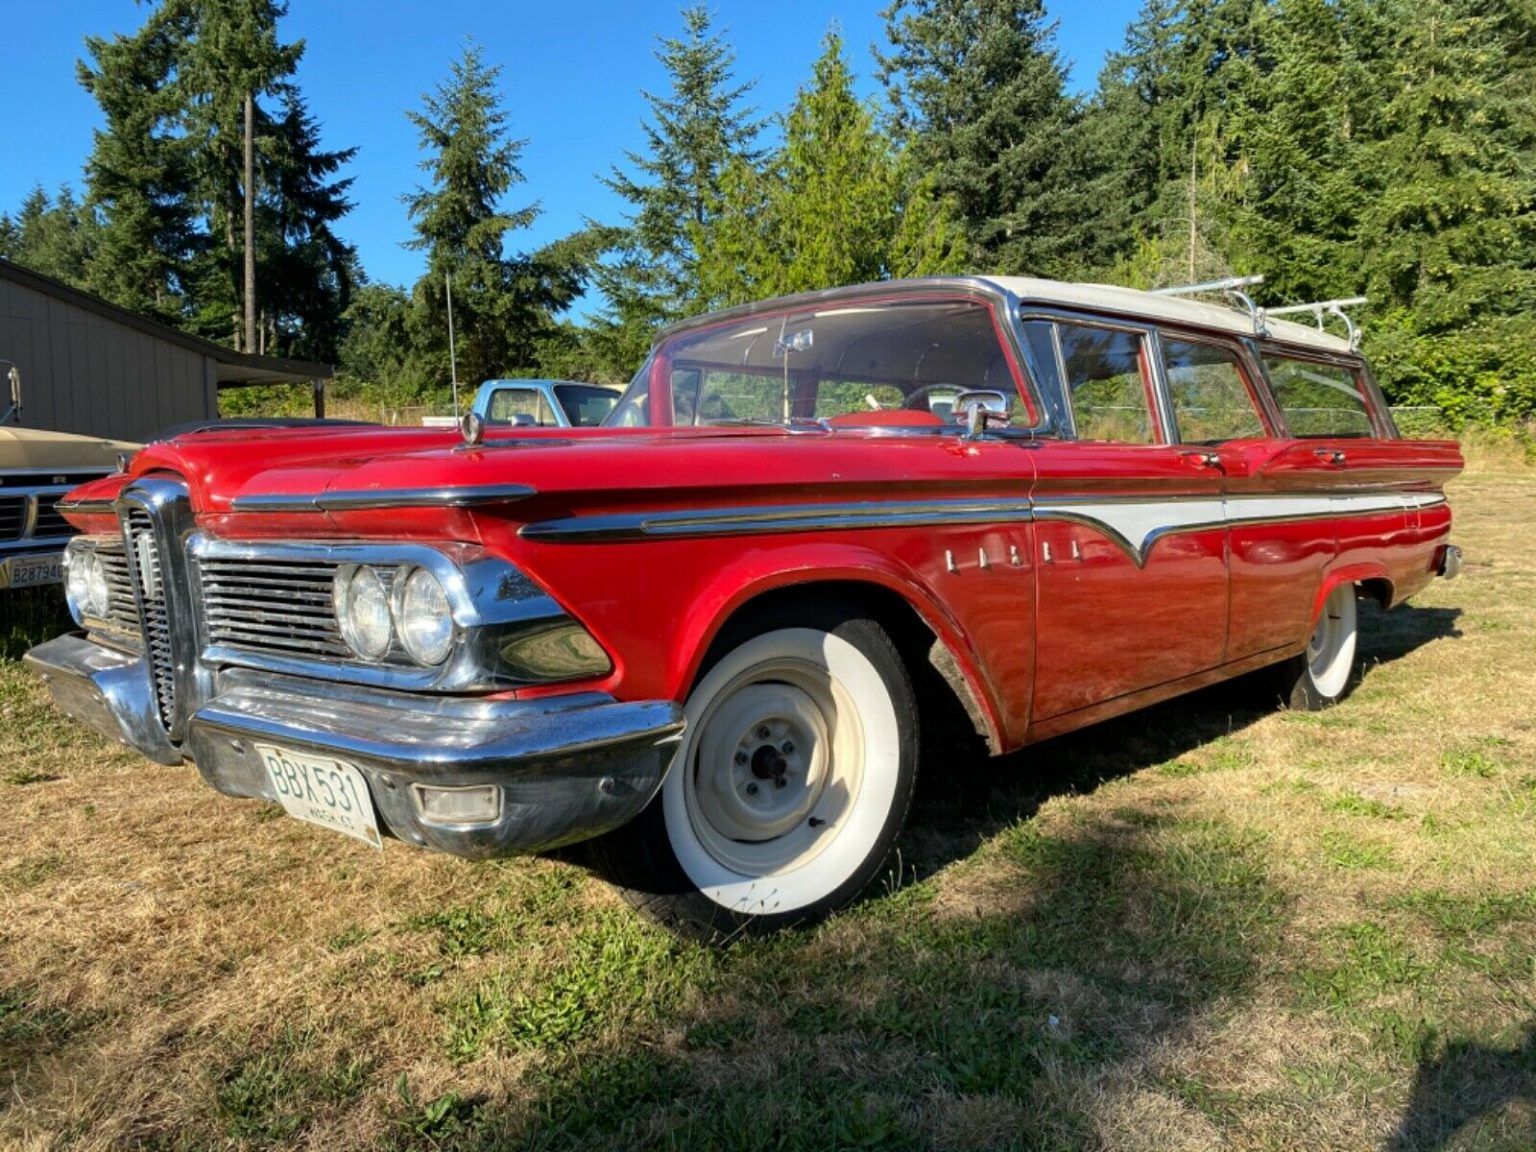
[(1142, 329), (379, 499)]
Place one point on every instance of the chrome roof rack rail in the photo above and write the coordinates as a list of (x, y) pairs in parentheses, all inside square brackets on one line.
[(1320, 310), (1232, 288)]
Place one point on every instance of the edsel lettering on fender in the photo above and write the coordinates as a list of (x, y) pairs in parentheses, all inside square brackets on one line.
[(690, 635)]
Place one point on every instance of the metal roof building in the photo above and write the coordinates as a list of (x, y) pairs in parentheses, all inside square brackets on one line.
[(90, 367)]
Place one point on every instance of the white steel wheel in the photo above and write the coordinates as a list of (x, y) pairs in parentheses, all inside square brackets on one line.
[(1331, 647), (1322, 674), (789, 785)]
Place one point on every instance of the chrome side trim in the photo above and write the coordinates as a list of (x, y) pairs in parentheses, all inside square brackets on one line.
[(88, 507), (472, 496), (777, 518), (1133, 523)]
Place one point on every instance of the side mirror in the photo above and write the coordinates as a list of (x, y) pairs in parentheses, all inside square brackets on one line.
[(976, 410), (14, 411)]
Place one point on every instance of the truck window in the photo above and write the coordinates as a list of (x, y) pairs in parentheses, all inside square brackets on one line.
[(1318, 399), (507, 403)]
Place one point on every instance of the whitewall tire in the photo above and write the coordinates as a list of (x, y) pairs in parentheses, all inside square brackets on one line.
[(1323, 674), (789, 785)]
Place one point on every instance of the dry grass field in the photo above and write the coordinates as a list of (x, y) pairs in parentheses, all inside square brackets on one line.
[(1211, 925)]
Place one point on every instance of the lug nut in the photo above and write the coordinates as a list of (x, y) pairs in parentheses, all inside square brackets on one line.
[(788, 747), (752, 788), (741, 757), (762, 732), (780, 782)]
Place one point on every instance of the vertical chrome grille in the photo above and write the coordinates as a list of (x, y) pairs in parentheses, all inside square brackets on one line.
[(149, 580), (120, 624)]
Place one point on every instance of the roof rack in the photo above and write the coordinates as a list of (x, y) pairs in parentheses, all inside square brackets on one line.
[(1232, 288), (1321, 309)]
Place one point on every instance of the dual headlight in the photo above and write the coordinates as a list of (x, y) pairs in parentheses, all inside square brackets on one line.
[(85, 584), (377, 606)]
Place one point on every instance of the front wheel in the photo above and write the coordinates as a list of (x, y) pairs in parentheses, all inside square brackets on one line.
[(1321, 675), (789, 786)]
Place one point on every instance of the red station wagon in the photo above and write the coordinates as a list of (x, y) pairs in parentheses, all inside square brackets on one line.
[(708, 634)]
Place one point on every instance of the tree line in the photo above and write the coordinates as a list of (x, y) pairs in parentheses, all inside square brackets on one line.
[(1339, 147)]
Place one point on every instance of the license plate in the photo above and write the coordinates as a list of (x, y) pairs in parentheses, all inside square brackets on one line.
[(26, 571), (330, 793)]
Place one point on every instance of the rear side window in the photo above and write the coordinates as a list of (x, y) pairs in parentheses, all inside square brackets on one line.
[(1318, 400), (1106, 384), (1209, 393)]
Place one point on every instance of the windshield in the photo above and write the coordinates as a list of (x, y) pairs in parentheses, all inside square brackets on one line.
[(883, 362), (586, 405)]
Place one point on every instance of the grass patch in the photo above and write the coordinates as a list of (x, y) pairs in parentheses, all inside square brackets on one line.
[(1482, 758), (21, 777), (1354, 853), (268, 1096)]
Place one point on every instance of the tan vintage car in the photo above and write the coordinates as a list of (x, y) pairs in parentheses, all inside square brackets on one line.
[(36, 468)]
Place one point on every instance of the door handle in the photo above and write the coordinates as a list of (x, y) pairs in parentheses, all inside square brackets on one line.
[(1203, 460), (1334, 456)]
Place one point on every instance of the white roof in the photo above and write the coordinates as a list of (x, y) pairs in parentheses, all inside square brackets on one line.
[(1133, 302)]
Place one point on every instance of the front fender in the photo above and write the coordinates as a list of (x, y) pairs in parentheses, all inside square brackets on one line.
[(772, 569)]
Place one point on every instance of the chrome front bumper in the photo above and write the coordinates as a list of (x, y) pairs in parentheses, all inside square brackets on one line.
[(569, 767)]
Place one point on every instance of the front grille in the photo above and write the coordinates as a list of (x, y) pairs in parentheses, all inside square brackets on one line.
[(279, 607), (13, 517), (121, 622), (49, 521), (144, 555)]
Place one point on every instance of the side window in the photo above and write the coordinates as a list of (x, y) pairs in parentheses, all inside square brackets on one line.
[(1105, 384), (1210, 396), (507, 403), (1318, 399)]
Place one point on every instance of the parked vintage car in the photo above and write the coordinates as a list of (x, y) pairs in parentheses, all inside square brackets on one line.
[(37, 468), (544, 403), (710, 633)]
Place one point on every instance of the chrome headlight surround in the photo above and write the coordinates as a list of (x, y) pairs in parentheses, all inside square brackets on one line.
[(360, 597), (423, 617), (502, 622), (85, 582)]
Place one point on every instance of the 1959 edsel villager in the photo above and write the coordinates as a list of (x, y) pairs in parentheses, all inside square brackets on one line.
[(695, 633)]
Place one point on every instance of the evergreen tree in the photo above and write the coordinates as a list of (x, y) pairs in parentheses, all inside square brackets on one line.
[(54, 237), (696, 129), (501, 303), (1449, 231), (837, 204), (140, 172), (978, 93)]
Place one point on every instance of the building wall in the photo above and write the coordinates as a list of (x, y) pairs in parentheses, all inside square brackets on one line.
[(84, 373)]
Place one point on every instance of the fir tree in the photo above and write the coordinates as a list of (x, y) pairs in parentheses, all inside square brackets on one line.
[(51, 236), (978, 93), (501, 303), (696, 129)]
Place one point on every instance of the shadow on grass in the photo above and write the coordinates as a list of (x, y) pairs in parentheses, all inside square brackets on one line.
[(964, 798), (1460, 1090)]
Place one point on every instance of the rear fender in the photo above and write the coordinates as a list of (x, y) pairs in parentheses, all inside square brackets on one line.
[(1352, 574)]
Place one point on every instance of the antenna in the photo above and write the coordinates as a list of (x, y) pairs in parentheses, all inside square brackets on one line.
[(1232, 288), (453, 357)]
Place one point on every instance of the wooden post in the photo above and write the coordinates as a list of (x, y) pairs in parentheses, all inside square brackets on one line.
[(319, 386)]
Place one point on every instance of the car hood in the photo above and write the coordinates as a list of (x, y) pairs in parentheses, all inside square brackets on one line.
[(41, 449), (222, 468)]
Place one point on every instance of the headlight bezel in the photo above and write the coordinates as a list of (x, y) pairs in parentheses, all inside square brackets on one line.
[(353, 586), (87, 591), (494, 604), (413, 584)]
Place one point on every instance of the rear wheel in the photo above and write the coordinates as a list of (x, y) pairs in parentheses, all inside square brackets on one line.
[(789, 786), (1323, 674)]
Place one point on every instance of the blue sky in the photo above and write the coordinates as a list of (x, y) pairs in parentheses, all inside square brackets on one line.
[(571, 81)]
